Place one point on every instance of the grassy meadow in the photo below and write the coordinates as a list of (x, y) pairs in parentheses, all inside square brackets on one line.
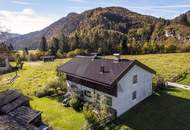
[(166, 65), (36, 74), (33, 77)]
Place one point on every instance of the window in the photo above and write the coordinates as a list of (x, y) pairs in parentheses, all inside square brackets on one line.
[(2, 63), (135, 79), (87, 93), (134, 95), (109, 100), (98, 98)]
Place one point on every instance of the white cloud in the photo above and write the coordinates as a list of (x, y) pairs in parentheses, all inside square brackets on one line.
[(24, 21), (21, 2)]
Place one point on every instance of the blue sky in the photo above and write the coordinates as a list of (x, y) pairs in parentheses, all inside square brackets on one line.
[(24, 16)]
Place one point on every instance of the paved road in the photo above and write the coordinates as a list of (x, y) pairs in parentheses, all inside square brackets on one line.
[(178, 85)]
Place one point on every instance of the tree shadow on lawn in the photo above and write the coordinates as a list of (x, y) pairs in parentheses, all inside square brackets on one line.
[(161, 111)]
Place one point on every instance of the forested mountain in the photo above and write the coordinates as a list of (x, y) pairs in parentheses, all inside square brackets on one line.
[(183, 19), (112, 29)]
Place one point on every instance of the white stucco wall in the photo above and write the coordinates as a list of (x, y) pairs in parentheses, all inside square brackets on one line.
[(123, 101), (126, 87)]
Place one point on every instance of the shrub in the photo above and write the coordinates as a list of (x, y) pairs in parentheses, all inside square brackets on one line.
[(43, 93), (75, 102), (158, 83), (51, 88), (75, 53), (89, 115), (59, 54), (35, 55)]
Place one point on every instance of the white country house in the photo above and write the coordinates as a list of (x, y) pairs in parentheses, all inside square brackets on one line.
[(124, 82)]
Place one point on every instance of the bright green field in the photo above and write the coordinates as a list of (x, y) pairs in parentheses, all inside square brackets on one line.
[(36, 74)]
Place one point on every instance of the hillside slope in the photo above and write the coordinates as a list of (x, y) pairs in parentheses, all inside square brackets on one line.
[(4, 36)]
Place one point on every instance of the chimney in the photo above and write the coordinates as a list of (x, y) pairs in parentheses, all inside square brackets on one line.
[(117, 57), (102, 69)]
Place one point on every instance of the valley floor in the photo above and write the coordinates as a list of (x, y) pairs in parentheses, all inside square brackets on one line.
[(156, 111)]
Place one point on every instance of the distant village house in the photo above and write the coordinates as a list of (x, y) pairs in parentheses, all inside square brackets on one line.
[(4, 62)]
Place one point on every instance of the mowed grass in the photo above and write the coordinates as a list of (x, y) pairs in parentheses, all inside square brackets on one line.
[(166, 65), (33, 77), (166, 110), (59, 117)]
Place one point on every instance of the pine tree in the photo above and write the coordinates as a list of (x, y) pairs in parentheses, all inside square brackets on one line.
[(55, 44), (43, 44)]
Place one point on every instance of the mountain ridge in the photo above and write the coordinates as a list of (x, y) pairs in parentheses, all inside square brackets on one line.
[(111, 20)]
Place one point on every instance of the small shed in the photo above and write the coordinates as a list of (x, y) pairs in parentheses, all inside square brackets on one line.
[(26, 115), (47, 58), (15, 112), (9, 123), (11, 100)]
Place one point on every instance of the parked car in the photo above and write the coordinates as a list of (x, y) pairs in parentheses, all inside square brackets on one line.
[(44, 127)]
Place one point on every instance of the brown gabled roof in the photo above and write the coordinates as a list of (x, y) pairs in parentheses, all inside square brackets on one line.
[(88, 68)]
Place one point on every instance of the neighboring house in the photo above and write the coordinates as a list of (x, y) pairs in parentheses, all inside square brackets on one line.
[(124, 82), (4, 62)]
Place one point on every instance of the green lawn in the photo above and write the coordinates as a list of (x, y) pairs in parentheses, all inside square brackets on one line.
[(36, 74), (56, 115), (167, 110), (33, 77)]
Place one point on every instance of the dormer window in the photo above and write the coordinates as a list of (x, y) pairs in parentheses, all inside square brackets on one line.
[(135, 79)]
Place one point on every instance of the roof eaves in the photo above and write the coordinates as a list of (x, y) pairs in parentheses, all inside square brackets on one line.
[(122, 73), (145, 67), (135, 62), (90, 80)]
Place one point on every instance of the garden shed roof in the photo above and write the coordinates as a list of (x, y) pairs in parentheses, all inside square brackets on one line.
[(11, 100), (25, 115), (9, 123)]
